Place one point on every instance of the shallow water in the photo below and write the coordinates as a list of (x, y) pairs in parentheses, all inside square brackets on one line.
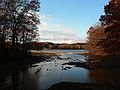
[(52, 71)]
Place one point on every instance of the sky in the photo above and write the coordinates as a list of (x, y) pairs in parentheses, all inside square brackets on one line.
[(67, 21)]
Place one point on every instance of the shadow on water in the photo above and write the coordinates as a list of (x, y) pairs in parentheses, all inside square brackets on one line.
[(54, 74), (11, 81), (102, 77), (22, 81)]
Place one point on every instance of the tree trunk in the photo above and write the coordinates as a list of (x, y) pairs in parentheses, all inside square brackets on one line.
[(13, 39)]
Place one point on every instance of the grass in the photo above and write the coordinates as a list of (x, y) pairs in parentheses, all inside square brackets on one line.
[(46, 53), (84, 53), (37, 53)]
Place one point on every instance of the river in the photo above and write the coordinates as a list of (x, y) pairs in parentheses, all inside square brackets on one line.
[(43, 75)]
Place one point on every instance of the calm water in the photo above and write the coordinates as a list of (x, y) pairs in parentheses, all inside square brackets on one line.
[(52, 71)]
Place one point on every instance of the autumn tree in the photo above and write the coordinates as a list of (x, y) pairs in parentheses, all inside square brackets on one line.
[(18, 18), (95, 35), (104, 39), (112, 20)]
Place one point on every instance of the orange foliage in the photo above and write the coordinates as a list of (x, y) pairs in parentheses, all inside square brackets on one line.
[(95, 35)]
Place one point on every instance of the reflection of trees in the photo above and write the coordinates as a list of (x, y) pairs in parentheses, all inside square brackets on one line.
[(13, 81), (101, 77)]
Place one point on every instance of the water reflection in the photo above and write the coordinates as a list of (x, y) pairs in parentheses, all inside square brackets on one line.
[(100, 76), (47, 74), (43, 75), (13, 81), (50, 74)]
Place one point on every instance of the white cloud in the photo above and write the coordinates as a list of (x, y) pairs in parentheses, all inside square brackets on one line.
[(56, 33), (41, 16)]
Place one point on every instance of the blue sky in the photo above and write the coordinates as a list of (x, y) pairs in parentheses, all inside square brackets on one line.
[(67, 21)]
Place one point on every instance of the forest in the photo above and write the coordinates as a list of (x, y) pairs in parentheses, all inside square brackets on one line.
[(104, 37)]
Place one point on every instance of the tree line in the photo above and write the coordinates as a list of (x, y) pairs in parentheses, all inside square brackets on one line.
[(104, 37), (18, 21), (49, 45)]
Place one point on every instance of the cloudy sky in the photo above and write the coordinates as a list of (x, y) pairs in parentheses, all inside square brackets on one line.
[(67, 21)]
